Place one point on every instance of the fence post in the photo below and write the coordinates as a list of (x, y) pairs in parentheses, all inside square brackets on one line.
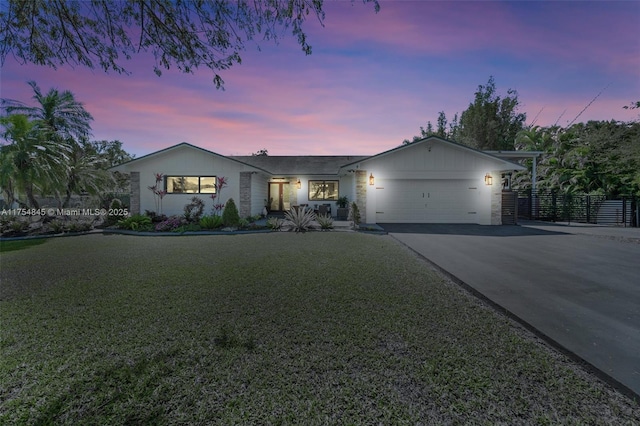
[(588, 208)]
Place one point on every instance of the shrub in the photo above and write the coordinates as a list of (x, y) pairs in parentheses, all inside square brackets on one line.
[(56, 226), (79, 226), (114, 206), (193, 211), (4, 222), (188, 227), (171, 224), (342, 202), (137, 222), (211, 222), (300, 220), (158, 194), (19, 225), (230, 215), (12, 224), (275, 223), (354, 215), (107, 198), (116, 203), (155, 217), (254, 218), (325, 221)]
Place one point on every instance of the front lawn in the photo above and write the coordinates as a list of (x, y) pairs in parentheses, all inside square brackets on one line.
[(280, 328)]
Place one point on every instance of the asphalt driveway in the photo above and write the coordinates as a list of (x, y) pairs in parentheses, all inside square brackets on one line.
[(578, 285)]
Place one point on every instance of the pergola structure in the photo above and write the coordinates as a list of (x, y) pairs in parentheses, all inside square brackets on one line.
[(521, 155)]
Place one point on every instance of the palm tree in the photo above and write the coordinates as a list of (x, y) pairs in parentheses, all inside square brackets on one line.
[(29, 162), (42, 142), (57, 113), (85, 174)]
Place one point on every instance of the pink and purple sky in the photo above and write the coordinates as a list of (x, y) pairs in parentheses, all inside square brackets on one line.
[(372, 80)]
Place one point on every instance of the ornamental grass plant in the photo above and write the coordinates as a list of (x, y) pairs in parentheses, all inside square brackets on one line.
[(300, 220)]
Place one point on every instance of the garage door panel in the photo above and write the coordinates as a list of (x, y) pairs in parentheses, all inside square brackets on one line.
[(427, 201)]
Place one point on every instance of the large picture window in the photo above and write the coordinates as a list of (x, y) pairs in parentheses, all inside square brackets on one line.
[(190, 184), (321, 190)]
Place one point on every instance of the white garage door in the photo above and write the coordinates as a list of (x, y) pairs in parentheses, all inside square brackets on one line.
[(427, 201)]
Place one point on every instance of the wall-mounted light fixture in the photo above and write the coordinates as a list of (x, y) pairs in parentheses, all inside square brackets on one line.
[(298, 184), (488, 179), (372, 180)]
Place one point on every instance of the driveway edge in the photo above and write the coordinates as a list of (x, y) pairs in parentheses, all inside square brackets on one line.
[(587, 366)]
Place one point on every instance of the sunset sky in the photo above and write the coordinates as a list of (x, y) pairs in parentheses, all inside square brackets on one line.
[(372, 80)]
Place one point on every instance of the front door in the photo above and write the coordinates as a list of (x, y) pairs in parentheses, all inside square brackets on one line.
[(279, 196)]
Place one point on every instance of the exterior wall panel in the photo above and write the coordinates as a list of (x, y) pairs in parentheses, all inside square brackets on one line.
[(185, 161)]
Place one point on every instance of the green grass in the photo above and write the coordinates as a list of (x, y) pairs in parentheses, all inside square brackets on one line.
[(12, 245), (281, 328)]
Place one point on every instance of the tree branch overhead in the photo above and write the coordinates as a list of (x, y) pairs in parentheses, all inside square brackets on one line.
[(185, 34)]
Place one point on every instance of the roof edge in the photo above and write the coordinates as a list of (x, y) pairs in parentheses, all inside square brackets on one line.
[(428, 138), (187, 144)]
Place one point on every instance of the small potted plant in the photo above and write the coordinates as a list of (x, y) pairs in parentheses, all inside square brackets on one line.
[(343, 209)]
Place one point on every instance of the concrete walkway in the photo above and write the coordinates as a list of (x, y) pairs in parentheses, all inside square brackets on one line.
[(577, 284)]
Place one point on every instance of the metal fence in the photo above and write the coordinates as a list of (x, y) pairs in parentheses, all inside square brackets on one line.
[(583, 208)]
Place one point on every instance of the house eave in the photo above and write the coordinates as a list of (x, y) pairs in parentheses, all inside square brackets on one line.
[(508, 164), (181, 145)]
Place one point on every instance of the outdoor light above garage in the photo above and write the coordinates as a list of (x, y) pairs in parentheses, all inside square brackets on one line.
[(371, 179), (488, 179), (298, 184)]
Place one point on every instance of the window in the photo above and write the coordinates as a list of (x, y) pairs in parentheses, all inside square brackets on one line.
[(321, 190), (190, 184)]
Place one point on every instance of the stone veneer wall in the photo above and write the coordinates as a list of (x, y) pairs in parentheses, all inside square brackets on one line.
[(496, 203), (134, 183), (361, 193), (293, 190), (245, 194)]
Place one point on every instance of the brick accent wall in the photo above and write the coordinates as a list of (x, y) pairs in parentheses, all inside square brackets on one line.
[(362, 179), (134, 191), (245, 194)]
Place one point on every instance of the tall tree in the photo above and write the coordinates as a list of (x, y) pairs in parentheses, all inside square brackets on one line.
[(56, 114), (632, 105), (597, 157), (30, 161), (491, 122), (45, 157), (454, 128), (441, 129), (111, 153), (187, 34), (86, 173), (424, 132)]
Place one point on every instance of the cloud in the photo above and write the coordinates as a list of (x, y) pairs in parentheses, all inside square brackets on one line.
[(372, 80)]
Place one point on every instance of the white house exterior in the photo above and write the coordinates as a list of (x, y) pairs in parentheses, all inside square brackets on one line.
[(433, 181), (429, 181), (185, 160)]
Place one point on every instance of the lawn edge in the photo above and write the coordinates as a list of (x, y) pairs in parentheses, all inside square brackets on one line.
[(551, 343)]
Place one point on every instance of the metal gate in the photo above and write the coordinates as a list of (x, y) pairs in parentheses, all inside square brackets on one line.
[(582, 208), (509, 208)]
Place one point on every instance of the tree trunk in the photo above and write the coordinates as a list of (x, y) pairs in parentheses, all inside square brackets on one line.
[(30, 197), (69, 192), (67, 199)]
